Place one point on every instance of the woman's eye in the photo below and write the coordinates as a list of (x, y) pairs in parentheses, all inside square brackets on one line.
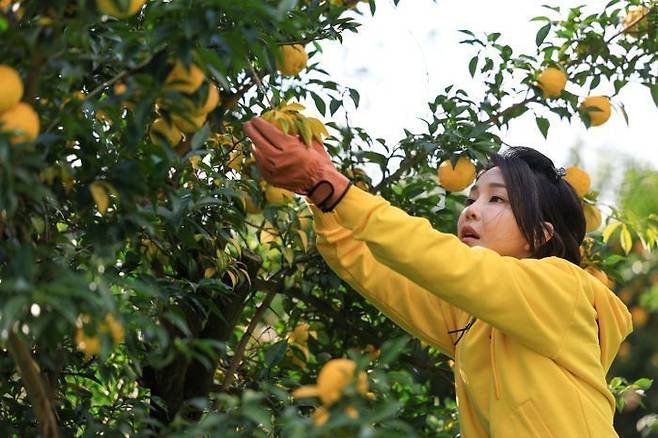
[(470, 201)]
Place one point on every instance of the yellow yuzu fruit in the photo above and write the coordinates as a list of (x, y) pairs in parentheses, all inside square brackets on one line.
[(235, 158), (89, 345), (458, 178), (300, 333), (116, 329), (11, 91), (293, 59), (372, 351), (592, 217), (276, 195), (334, 376), (579, 180), (552, 81), (23, 120), (352, 412), (269, 235), (113, 8), (635, 22), (189, 123), (119, 88), (249, 205), (160, 129), (320, 416), (184, 79), (212, 100), (195, 160), (599, 109)]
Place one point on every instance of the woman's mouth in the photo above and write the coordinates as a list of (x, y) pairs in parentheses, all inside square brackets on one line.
[(469, 239)]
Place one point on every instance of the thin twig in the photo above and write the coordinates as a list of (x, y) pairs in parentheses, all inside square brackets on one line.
[(258, 81), (410, 162), (609, 40)]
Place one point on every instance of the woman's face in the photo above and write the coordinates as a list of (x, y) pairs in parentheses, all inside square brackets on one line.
[(488, 216)]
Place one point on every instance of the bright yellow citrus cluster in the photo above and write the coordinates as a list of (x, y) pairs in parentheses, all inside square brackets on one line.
[(595, 110), (293, 59), (332, 380), (90, 344), (16, 117), (187, 116), (289, 119), (636, 22), (115, 9)]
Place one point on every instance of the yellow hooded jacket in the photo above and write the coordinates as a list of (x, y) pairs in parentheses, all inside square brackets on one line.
[(533, 364)]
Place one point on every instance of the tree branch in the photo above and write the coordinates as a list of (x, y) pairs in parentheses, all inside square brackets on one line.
[(242, 345), (409, 162), (35, 386)]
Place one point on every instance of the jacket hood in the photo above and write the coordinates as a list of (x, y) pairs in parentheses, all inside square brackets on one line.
[(614, 322)]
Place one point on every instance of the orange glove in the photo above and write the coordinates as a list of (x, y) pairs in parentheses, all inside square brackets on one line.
[(286, 162)]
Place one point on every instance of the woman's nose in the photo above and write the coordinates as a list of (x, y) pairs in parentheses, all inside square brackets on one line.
[(471, 211)]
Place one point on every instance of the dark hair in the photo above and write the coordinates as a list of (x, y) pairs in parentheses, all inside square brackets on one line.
[(538, 193)]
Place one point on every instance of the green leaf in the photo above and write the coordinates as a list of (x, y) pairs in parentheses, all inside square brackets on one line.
[(472, 66), (609, 230), (200, 136), (319, 103), (374, 157), (626, 239), (334, 105), (543, 125), (257, 414), (624, 113), (355, 97), (289, 255), (274, 354), (643, 383), (391, 349), (542, 33)]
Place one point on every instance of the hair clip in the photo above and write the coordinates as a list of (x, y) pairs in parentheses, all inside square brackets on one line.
[(560, 173)]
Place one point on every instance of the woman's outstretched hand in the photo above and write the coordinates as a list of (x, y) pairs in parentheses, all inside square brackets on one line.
[(286, 162)]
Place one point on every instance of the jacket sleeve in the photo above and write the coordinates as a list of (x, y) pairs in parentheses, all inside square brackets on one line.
[(530, 299), (413, 308)]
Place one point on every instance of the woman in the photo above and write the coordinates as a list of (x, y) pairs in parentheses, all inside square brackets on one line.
[(531, 333)]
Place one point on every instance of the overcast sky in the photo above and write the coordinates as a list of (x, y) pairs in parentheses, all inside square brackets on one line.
[(404, 56)]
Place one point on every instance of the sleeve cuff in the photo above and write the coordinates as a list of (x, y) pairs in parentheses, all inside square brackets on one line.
[(322, 222)]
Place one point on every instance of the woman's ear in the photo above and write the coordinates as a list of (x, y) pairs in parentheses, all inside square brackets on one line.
[(548, 235), (548, 231)]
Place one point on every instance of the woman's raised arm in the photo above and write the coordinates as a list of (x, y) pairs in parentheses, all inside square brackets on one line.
[(533, 300), (413, 308)]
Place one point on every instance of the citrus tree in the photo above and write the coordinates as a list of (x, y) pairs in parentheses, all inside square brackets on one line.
[(153, 284)]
